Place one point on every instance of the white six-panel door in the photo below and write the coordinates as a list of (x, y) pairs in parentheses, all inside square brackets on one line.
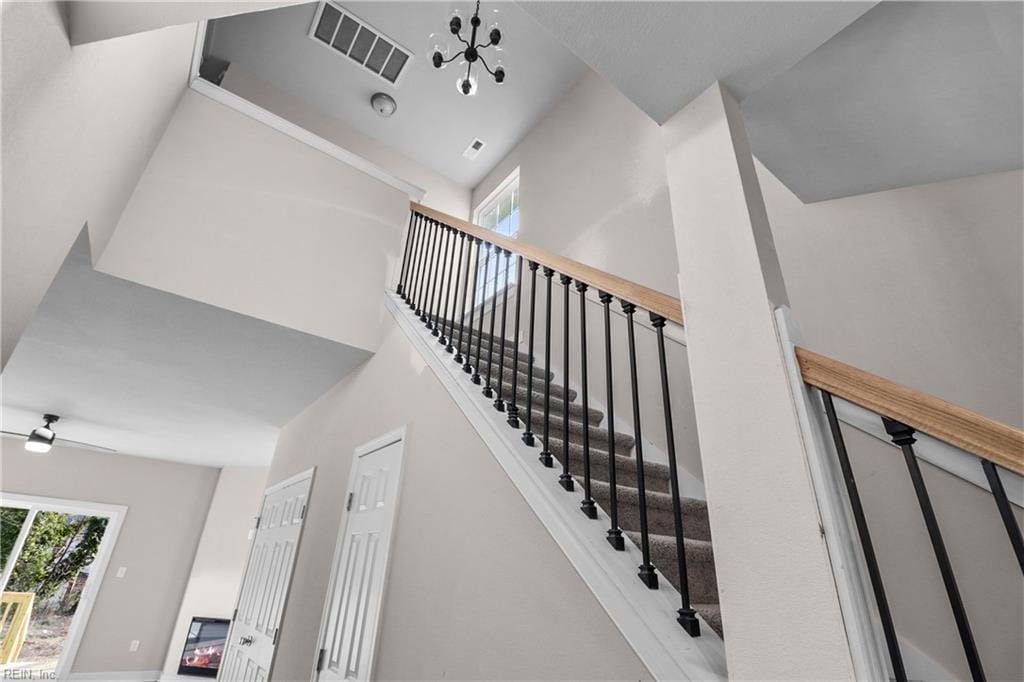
[(253, 637), (353, 600)]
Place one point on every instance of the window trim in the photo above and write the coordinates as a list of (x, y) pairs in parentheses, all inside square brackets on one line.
[(486, 205), (513, 178)]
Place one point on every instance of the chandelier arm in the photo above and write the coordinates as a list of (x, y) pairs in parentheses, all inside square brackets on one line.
[(484, 62), (461, 39), (452, 59)]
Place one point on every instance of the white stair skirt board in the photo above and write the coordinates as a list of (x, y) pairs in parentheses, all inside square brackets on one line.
[(646, 618), (119, 676)]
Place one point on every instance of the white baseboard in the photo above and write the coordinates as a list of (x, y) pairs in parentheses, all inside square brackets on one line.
[(119, 676), (646, 618)]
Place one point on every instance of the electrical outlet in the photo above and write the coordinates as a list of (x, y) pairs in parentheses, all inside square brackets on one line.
[(134, 646), (121, 570)]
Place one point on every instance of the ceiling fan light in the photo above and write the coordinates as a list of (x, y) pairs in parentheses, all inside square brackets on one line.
[(41, 438)]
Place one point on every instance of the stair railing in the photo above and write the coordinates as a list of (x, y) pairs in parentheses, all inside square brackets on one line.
[(441, 252), (903, 412)]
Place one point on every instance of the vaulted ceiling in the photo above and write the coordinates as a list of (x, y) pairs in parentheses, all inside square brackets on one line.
[(434, 124)]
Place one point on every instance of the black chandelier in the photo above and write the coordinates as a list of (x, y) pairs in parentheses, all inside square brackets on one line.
[(471, 52)]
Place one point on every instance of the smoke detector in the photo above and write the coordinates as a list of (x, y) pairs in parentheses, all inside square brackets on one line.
[(383, 103)]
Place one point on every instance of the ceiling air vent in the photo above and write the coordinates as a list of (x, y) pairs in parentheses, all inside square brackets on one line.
[(473, 150), (336, 27)]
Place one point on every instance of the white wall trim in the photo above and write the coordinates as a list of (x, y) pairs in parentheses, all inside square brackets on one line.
[(947, 457), (115, 514), (867, 647), (297, 133), (122, 676), (645, 617)]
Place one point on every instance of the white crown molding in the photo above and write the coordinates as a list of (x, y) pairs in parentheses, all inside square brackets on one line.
[(646, 618)]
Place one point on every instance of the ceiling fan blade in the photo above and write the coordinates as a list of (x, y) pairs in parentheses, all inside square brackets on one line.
[(65, 441)]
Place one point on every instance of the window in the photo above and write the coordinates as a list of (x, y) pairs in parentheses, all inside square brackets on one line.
[(500, 213)]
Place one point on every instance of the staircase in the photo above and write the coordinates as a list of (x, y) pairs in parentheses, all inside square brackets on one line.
[(456, 299), (611, 491), (700, 561)]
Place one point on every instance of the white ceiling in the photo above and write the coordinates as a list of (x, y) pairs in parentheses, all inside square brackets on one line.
[(839, 98), (663, 54), (910, 93), (149, 373), (434, 124)]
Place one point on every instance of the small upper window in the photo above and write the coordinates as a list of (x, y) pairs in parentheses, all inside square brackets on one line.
[(500, 213)]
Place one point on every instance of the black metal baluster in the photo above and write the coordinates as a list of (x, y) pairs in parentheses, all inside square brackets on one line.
[(587, 506), (903, 436), (513, 407), (488, 389), (404, 271), (468, 366), (1003, 505), (499, 403), (483, 307), (687, 616), (454, 284), (432, 276), (875, 575), (446, 274), (646, 570), (421, 288), (528, 427), (417, 258), (545, 455), (433, 316), (614, 535), (468, 246), (565, 478)]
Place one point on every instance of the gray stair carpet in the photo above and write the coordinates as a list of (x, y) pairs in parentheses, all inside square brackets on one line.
[(700, 560)]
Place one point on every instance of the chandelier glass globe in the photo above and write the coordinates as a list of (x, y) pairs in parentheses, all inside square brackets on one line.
[(466, 85)]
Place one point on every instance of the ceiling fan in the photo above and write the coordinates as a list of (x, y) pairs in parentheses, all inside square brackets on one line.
[(42, 438)]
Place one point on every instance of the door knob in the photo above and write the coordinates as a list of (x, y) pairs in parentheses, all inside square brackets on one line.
[(247, 641)]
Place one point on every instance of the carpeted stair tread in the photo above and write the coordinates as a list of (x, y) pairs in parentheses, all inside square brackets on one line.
[(659, 511), (712, 615), (598, 436), (700, 564), (523, 365), (575, 409), (656, 476)]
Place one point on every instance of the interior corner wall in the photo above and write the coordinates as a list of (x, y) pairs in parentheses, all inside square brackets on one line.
[(233, 213), (441, 193), (78, 127), (921, 284), (167, 506), (477, 588), (216, 575)]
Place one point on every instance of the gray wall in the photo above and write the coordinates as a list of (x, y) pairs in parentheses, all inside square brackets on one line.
[(57, 179), (167, 505), (921, 284), (477, 589)]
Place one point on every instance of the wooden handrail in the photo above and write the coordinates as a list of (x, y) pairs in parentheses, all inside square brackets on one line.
[(970, 431), (667, 306), (967, 430)]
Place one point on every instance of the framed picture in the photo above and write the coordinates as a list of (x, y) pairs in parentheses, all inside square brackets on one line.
[(204, 647)]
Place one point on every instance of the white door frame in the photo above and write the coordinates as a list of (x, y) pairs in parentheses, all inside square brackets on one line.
[(389, 438), (301, 476), (114, 513)]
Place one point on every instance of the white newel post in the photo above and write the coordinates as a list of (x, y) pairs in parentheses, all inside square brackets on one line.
[(780, 603)]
